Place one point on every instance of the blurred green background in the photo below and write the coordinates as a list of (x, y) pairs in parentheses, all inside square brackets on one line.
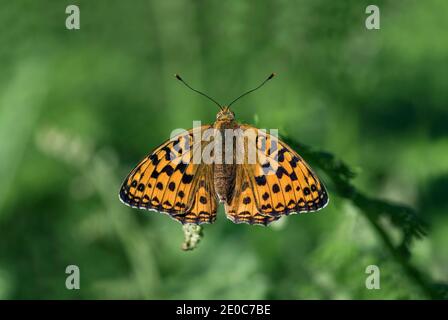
[(78, 109)]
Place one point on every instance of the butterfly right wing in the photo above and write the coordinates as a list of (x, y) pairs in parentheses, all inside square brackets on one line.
[(170, 182), (278, 183), (243, 206)]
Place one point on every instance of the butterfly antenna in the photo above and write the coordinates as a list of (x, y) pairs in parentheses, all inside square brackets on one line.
[(268, 78), (188, 86)]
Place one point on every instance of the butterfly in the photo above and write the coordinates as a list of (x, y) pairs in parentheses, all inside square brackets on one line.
[(170, 180)]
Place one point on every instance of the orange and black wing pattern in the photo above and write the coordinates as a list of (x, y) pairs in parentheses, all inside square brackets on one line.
[(243, 207), (279, 183), (170, 182)]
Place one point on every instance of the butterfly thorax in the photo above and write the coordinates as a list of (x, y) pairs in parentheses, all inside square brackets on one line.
[(223, 172)]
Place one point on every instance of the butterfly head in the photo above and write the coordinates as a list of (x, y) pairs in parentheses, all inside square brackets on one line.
[(225, 114)]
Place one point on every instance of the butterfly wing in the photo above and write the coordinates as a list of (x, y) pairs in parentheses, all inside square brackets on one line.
[(279, 183), (243, 207), (169, 181)]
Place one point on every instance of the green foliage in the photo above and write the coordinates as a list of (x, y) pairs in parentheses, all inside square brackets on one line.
[(401, 217)]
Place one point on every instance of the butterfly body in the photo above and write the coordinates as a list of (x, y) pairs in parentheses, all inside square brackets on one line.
[(224, 173)]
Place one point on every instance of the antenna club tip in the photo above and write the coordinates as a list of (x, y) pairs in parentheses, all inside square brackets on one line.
[(273, 74), (177, 76)]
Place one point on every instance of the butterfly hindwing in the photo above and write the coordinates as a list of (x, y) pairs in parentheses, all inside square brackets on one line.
[(204, 205), (243, 207), (169, 181)]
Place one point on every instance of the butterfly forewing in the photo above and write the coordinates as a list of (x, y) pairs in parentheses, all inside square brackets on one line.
[(169, 181)]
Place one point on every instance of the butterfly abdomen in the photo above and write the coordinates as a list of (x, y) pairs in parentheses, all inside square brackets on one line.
[(224, 173), (224, 181)]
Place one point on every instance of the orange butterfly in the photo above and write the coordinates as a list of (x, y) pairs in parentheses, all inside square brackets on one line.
[(171, 180)]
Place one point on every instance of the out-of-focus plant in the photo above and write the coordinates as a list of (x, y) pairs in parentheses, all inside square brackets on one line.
[(402, 217)]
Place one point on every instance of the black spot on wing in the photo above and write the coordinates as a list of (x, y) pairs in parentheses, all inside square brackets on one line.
[(180, 205), (176, 145), (154, 160), (280, 172), (260, 180), (279, 206), (266, 164), (155, 201), (267, 168), (291, 203), (281, 155), (266, 207), (155, 174), (294, 161), (187, 178), (168, 170), (244, 214), (168, 155), (181, 167)]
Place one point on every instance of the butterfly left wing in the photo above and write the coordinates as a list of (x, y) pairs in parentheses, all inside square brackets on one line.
[(170, 182), (279, 183)]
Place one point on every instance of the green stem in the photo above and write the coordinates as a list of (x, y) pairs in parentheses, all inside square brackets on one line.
[(412, 272), (402, 217)]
